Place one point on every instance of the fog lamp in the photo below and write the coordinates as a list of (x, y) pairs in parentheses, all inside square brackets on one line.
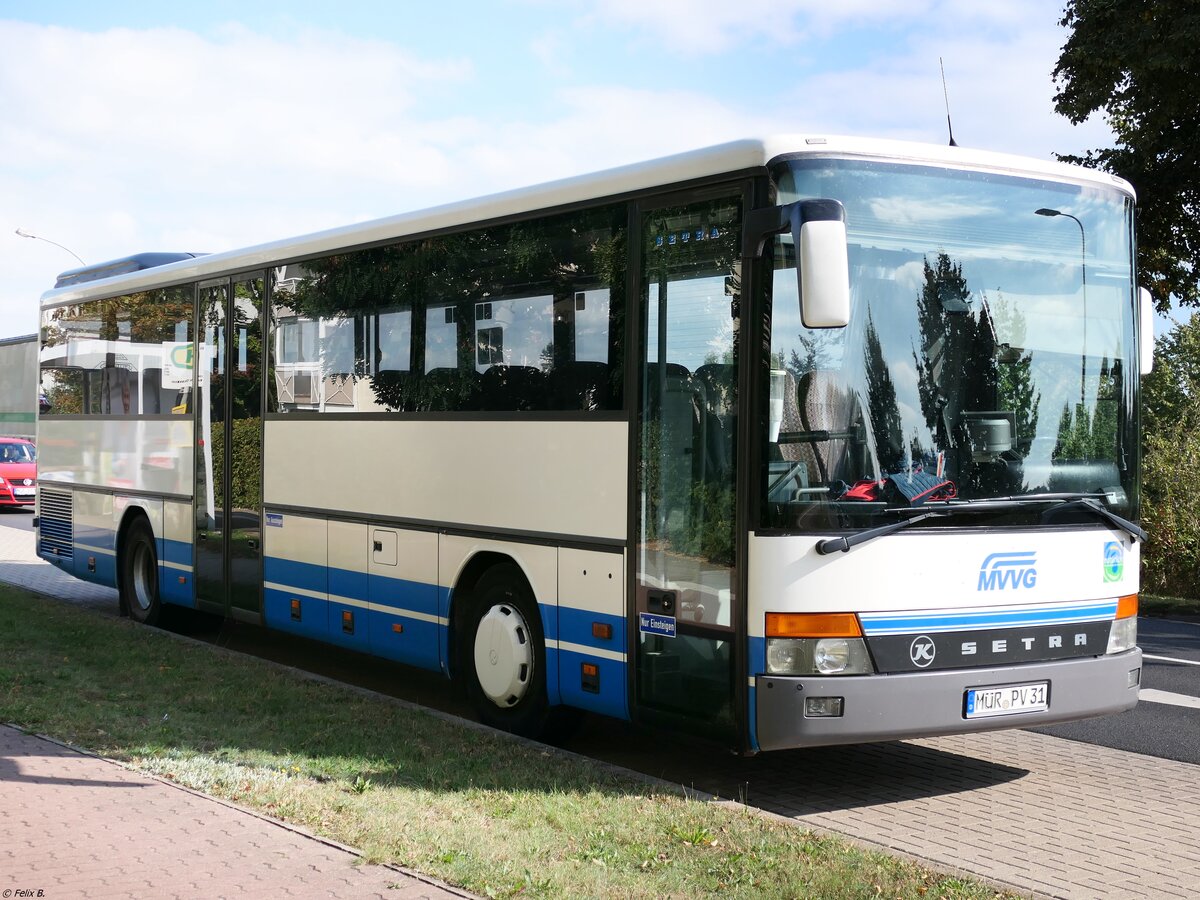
[(823, 707)]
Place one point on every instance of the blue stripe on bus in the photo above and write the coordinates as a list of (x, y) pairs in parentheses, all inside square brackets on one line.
[(105, 565), (405, 595), (902, 623), (758, 665), (314, 614), (611, 698), (92, 538), (549, 617), (354, 585), (425, 644), (176, 552), (444, 636), (170, 588), (391, 633), (95, 552), (300, 575), (575, 628), (418, 642)]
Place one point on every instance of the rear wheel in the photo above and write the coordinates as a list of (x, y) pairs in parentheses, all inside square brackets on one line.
[(139, 574), (503, 653)]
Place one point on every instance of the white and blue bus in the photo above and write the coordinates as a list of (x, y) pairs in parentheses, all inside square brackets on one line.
[(788, 442)]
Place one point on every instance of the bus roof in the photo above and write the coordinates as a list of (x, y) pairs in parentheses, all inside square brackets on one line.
[(122, 266), (736, 156)]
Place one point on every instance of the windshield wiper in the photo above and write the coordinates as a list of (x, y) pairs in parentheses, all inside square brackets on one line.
[(1085, 502), (1090, 505), (833, 545)]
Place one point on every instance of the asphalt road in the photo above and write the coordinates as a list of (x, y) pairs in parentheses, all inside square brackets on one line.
[(1166, 722)]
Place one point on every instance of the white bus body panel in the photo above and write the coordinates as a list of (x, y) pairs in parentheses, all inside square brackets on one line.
[(969, 593), (933, 570), (559, 478)]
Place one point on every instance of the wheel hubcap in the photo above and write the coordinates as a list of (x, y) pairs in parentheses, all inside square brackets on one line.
[(503, 655)]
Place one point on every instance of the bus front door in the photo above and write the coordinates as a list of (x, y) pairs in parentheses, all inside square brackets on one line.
[(685, 586), (228, 495)]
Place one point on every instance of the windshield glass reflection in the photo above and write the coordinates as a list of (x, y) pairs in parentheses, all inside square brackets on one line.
[(988, 353)]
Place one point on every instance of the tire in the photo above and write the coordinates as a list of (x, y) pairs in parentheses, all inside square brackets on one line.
[(502, 654), (139, 574)]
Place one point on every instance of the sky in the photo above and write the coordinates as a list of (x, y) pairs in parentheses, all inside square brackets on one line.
[(132, 127)]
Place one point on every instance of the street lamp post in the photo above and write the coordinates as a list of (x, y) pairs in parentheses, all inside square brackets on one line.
[(34, 237), (1083, 286)]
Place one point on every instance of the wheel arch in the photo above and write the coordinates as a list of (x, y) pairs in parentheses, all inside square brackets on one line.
[(473, 569)]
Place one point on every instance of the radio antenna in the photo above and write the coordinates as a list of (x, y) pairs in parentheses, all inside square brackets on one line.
[(946, 95)]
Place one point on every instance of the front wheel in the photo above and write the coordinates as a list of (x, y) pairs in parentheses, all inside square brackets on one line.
[(139, 574), (503, 654)]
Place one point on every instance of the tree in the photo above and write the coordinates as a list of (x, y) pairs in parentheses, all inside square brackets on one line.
[(1171, 464), (956, 362), (1135, 61), (884, 411)]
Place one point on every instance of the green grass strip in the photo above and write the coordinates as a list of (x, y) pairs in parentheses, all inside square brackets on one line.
[(499, 817)]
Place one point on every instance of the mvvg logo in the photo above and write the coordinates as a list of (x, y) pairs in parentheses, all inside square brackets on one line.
[(1005, 571)]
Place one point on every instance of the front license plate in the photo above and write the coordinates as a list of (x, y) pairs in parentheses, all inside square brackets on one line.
[(1004, 701), (23, 491)]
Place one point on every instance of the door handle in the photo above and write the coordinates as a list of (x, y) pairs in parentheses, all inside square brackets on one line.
[(252, 544)]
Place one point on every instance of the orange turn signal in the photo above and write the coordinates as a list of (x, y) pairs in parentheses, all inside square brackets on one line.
[(813, 625), (1127, 606)]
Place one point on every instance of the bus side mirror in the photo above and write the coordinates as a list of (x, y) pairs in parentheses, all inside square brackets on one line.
[(1145, 332), (818, 229), (822, 264)]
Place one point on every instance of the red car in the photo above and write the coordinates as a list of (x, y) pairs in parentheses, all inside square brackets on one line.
[(18, 472)]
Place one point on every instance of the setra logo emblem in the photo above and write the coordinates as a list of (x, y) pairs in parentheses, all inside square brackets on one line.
[(1005, 571), (922, 651), (1114, 561)]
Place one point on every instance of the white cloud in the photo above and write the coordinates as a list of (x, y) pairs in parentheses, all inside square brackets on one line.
[(696, 27), (124, 140), (1000, 96)]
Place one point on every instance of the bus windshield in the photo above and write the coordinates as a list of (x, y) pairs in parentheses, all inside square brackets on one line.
[(990, 351)]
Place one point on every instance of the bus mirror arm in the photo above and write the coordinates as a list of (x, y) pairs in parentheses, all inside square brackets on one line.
[(818, 230)]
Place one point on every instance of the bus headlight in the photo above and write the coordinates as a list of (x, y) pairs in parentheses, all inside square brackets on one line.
[(816, 644), (831, 656), (818, 656), (1122, 634)]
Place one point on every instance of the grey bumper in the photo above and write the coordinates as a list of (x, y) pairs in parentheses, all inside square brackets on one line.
[(925, 704)]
